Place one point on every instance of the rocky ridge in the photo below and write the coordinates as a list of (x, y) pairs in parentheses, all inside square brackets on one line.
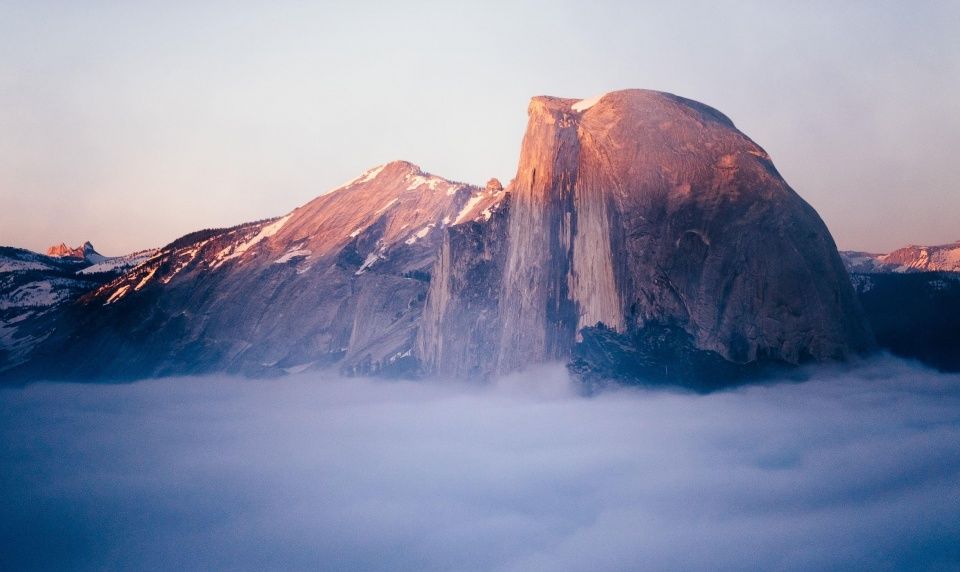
[(642, 233), (913, 258), (339, 281)]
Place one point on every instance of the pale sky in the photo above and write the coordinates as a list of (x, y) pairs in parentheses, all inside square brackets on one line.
[(131, 123)]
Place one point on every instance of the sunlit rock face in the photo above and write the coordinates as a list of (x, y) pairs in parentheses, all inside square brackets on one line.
[(340, 281), (633, 212), (913, 258), (643, 237)]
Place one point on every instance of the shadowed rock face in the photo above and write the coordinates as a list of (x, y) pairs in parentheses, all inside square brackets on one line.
[(461, 328), (915, 315), (911, 297), (644, 209)]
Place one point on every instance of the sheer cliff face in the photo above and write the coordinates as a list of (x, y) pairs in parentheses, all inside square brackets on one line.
[(642, 208), (642, 234)]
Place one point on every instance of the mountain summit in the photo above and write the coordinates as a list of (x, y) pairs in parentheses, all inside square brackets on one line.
[(639, 220), (338, 281), (643, 237), (86, 251)]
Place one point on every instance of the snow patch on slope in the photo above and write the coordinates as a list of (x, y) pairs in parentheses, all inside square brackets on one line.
[(145, 280), (41, 293), (297, 253), (585, 104), (474, 200), (366, 177), (419, 234), (371, 259), (432, 182), (417, 181), (14, 265), (117, 263), (120, 293), (240, 249)]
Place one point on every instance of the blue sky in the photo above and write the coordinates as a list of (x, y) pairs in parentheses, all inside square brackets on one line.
[(131, 123)]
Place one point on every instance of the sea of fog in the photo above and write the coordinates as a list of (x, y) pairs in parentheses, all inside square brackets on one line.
[(853, 469)]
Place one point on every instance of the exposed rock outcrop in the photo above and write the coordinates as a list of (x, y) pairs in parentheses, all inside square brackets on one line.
[(642, 234), (642, 209), (86, 251), (340, 281)]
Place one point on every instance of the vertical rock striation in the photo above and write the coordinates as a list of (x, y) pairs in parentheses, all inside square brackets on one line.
[(641, 212), (539, 319), (643, 237)]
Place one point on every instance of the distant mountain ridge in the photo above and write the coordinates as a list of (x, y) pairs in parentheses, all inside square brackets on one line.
[(34, 288), (85, 251), (339, 280), (913, 258), (912, 299)]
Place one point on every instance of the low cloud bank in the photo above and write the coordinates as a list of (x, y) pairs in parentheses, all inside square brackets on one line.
[(851, 470)]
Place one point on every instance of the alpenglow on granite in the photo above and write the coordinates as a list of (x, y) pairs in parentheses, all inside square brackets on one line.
[(640, 223), (643, 238)]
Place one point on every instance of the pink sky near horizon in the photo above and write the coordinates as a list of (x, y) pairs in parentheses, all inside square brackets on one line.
[(130, 124)]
